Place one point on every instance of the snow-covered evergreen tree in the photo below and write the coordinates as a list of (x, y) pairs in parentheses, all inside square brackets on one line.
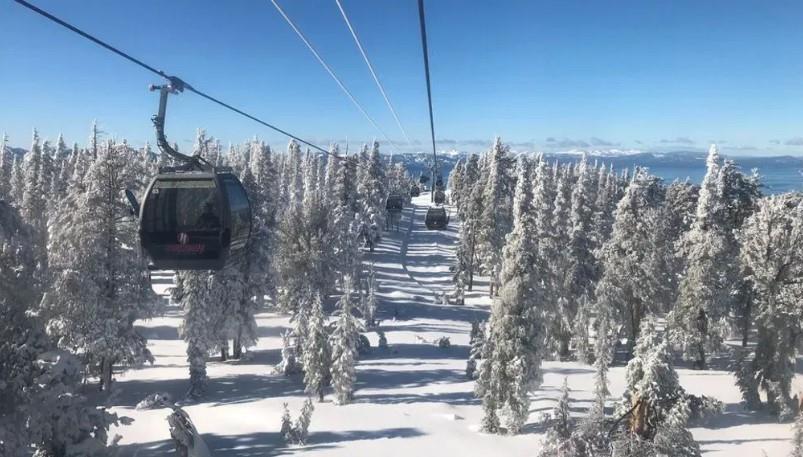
[(296, 433), (496, 219), (469, 208), (33, 205), (257, 274), (100, 282), (200, 317), (557, 442), (17, 184), (772, 254), (342, 202), (677, 215), (603, 357), (370, 304), (317, 354), (629, 283), (6, 167), (797, 438), (372, 189), (705, 290), (512, 355), (654, 403), (344, 348), (42, 407), (582, 265)]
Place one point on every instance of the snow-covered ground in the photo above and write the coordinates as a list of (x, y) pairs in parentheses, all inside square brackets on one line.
[(411, 400)]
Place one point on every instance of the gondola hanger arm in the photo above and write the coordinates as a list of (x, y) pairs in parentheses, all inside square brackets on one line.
[(174, 86)]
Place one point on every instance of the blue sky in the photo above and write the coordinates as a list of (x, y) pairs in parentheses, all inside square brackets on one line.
[(649, 75)]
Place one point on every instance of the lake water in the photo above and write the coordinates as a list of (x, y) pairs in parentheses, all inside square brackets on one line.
[(778, 174)]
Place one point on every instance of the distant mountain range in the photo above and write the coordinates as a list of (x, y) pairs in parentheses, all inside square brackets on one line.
[(780, 173)]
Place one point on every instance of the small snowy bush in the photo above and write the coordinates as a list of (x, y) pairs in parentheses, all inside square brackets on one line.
[(443, 342), (154, 401), (363, 345), (296, 433), (383, 341)]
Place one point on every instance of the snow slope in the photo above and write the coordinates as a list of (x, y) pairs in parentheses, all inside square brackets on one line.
[(413, 399)]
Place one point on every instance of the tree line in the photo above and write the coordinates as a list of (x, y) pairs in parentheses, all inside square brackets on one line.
[(74, 280), (580, 256)]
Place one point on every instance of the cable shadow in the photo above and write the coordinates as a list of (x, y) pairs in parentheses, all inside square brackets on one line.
[(267, 443), (243, 388)]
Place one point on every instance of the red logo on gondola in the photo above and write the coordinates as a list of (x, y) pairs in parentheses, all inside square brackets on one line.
[(183, 238)]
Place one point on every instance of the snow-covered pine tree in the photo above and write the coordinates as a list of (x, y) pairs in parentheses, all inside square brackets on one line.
[(257, 278), (496, 219), (200, 316), (627, 289), (456, 182), (33, 206), (369, 309), (42, 408), (553, 252), (342, 202), (603, 357), (772, 255), (304, 259), (61, 182), (797, 437), (469, 209), (344, 348), (544, 198), (742, 192), (558, 442), (705, 290), (296, 433), (677, 215), (226, 295), (469, 178), (582, 264), (6, 166), (17, 187), (295, 168), (371, 187), (100, 282), (512, 355), (94, 139), (317, 354), (654, 403), (303, 421), (604, 206)]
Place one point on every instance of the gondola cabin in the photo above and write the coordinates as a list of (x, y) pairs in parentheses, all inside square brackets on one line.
[(193, 220), (436, 218), (439, 197), (395, 204)]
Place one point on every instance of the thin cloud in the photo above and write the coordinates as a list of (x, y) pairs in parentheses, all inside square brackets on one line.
[(796, 141), (678, 140), (523, 144), (600, 142), (476, 142), (775, 141)]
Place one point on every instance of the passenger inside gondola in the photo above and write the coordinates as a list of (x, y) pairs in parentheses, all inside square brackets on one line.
[(208, 218)]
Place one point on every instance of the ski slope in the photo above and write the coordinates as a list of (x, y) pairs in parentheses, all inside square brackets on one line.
[(411, 400)]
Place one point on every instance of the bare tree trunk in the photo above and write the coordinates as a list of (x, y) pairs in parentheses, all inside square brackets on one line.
[(237, 347), (224, 351), (746, 315), (106, 374)]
